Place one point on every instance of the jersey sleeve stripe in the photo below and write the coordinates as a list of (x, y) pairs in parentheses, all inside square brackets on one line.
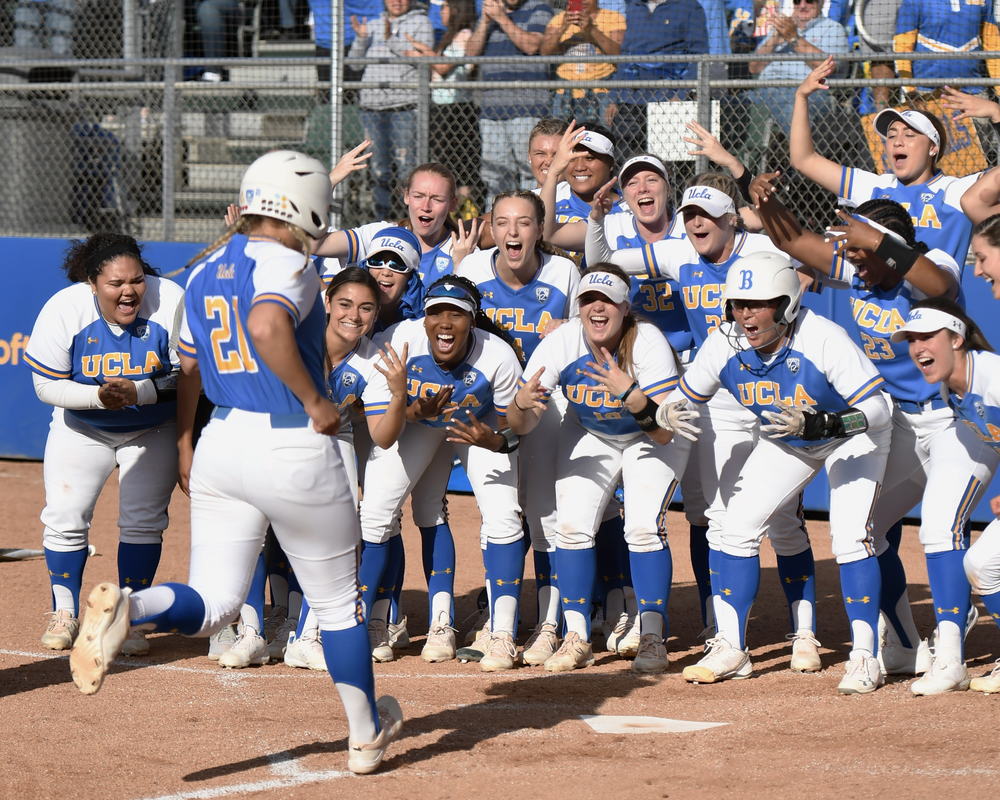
[(660, 386), (691, 394), (866, 390), (187, 348), (281, 300), (375, 409), (353, 246), (44, 371), (649, 261), (846, 181), (837, 266)]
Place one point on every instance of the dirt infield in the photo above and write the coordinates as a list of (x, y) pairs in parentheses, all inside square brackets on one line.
[(174, 725)]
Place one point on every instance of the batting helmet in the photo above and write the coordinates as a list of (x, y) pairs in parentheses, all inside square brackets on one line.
[(289, 186), (765, 276)]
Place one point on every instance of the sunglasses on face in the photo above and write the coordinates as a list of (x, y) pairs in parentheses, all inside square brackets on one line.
[(386, 263), (800, 2)]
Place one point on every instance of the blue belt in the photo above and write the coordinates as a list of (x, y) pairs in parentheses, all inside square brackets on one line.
[(277, 420), (910, 407)]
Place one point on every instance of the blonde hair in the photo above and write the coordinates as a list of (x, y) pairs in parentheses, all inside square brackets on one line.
[(244, 224)]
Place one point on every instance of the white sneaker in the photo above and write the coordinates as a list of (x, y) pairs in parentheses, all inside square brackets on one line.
[(805, 652), (863, 676), (279, 641), (104, 628), (988, 684), (60, 630), (501, 654), (305, 652), (440, 644), (542, 644), (399, 637), (721, 662), (220, 641), (378, 640), (135, 644), (628, 646), (363, 759), (574, 653), (250, 648), (480, 622), (894, 658), (652, 656), (478, 648), (617, 632), (942, 677)]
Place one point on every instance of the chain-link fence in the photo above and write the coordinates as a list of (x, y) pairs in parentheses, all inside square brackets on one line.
[(133, 120)]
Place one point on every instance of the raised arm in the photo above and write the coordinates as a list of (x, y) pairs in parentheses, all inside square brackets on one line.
[(802, 153)]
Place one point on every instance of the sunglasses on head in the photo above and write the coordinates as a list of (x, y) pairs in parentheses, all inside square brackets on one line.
[(386, 263)]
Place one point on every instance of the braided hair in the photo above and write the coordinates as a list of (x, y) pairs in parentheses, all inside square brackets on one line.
[(894, 217)]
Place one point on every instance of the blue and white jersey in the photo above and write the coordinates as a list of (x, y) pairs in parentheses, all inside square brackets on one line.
[(349, 380), (525, 311), (701, 283), (564, 355), (979, 407), (72, 341), (656, 300), (935, 207), (220, 294), (879, 313), (819, 367), (570, 207), (484, 382)]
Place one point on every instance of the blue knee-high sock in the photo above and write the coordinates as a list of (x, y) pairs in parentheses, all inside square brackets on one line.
[(258, 585), (349, 661), (611, 553), (798, 580), (438, 550), (505, 567), (652, 573), (699, 565), (186, 614), (949, 588), (576, 580), (893, 585), (372, 571), (861, 585), (992, 603), (895, 535), (545, 566), (137, 564), (66, 569), (303, 613), (738, 581), (398, 557)]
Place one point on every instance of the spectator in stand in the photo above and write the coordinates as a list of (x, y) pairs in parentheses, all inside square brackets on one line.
[(512, 28), (362, 10), (657, 27), (389, 116), (44, 25), (583, 29), (217, 23)]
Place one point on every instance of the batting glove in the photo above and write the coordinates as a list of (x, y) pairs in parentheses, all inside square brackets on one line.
[(677, 417), (789, 421)]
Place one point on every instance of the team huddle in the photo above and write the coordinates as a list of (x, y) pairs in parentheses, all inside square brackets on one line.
[(583, 350)]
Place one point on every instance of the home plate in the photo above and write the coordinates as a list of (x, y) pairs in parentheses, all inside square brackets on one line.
[(604, 723)]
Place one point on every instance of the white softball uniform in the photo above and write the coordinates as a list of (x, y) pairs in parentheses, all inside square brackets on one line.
[(600, 443), (819, 367), (73, 350)]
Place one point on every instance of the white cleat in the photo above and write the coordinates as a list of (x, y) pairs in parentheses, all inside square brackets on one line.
[(574, 653), (378, 640), (863, 676), (306, 652), (988, 684), (399, 637), (440, 644), (805, 652), (61, 630), (542, 644), (721, 662), (942, 677), (135, 644), (249, 649), (500, 655), (220, 641), (104, 628), (363, 759)]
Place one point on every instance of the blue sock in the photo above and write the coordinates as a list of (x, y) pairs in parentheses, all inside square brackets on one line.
[(374, 560), (576, 580), (66, 569), (992, 603), (137, 564), (349, 661), (738, 581), (438, 550), (185, 615), (505, 566), (652, 573), (895, 535), (861, 585), (699, 565), (302, 617), (398, 557), (893, 586), (255, 595), (949, 587), (798, 580), (612, 569), (544, 569)]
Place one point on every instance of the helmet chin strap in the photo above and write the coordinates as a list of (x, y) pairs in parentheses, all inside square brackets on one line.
[(782, 325)]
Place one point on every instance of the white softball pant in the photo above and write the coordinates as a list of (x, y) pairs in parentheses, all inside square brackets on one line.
[(247, 474), (391, 475), (78, 461), (589, 469), (941, 462), (982, 561), (775, 473)]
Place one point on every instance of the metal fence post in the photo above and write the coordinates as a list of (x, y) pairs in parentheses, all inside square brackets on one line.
[(336, 102), (423, 112), (171, 142), (704, 107)]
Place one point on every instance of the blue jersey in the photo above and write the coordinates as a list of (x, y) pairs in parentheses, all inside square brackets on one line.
[(348, 381), (220, 294), (72, 341), (979, 407), (524, 312), (819, 367)]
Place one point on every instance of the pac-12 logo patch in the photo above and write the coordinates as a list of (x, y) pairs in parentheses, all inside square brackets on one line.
[(979, 409), (793, 365), (542, 294), (469, 377), (142, 332), (441, 263), (926, 197), (347, 379)]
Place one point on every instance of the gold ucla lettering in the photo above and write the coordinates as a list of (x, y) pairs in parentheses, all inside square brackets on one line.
[(929, 218), (90, 366), (691, 295), (746, 393), (153, 363), (111, 365), (768, 393), (711, 295)]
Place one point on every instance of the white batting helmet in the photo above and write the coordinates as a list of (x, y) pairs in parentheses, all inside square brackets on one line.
[(765, 276), (289, 186)]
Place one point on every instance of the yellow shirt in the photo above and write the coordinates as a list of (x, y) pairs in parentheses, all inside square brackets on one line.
[(607, 22)]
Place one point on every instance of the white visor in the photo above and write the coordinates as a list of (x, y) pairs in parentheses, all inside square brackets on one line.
[(611, 286), (637, 163), (917, 120), (597, 143), (458, 302), (714, 201), (929, 320)]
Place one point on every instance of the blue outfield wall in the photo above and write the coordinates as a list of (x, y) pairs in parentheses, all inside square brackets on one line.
[(33, 275)]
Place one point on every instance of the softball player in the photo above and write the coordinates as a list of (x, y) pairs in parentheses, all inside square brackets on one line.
[(103, 353), (986, 252), (697, 266), (932, 459), (950, 351), (915, 142), (460, 379), (821, 404), (612, 369), (252, 334)]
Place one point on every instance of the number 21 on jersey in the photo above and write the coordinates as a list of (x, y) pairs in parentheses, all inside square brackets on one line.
[(230, 346)]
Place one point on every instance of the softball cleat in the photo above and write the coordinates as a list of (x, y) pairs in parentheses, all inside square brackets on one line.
[(363, 759), (988, 684), (574, 653), (942, 677), (721, 662), (805, 652), (863, 676), (104, 628), (61, 630), (652, 656)]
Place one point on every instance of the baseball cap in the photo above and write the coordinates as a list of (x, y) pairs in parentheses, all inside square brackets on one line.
[(395, 248), (714, 201), (918, 120), (607, 283), (929, 320), (597, 143), (451, 294), (637, 163)]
